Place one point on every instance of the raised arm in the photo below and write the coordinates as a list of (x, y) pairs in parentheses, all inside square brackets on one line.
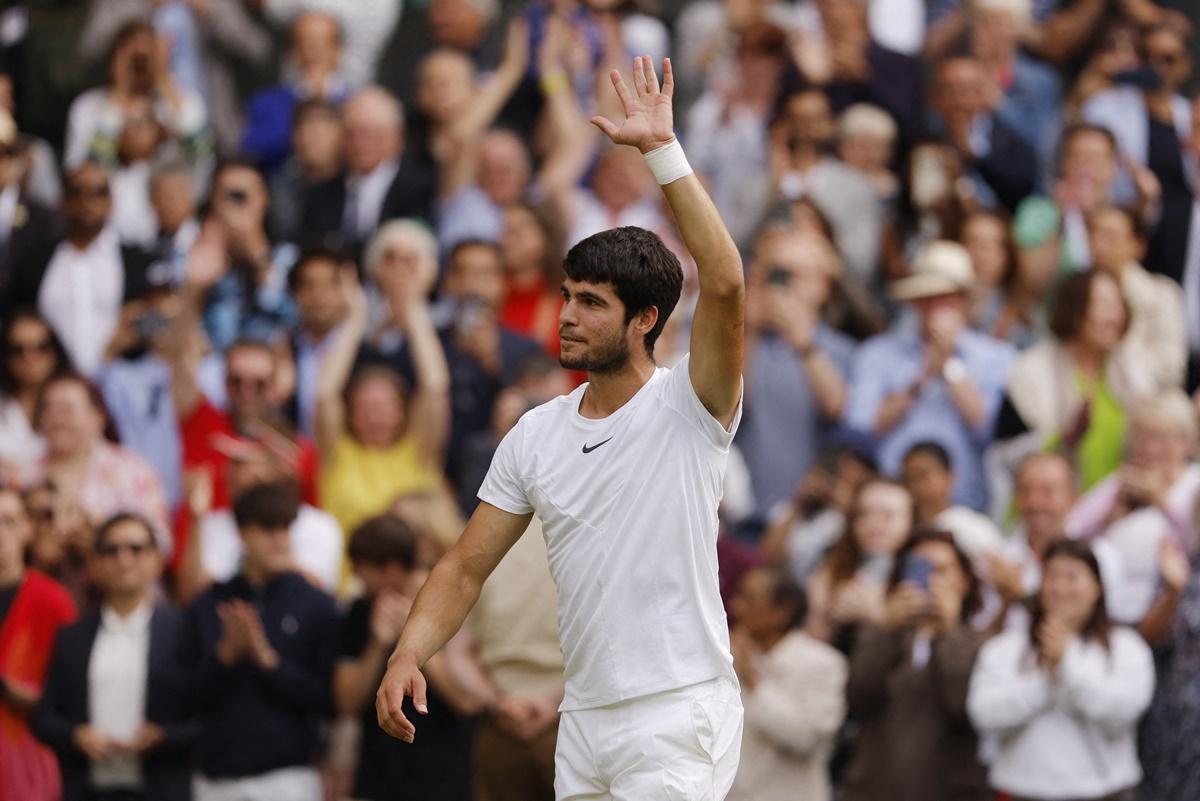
[(440, 609), (718, 327), (430, 407), (336, 367)]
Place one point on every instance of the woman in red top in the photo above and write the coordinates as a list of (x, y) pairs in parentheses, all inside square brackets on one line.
[(532, 247)]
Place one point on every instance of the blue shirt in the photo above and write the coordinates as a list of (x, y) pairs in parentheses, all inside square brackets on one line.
[(233, 310), (782, 428), (892, 362)]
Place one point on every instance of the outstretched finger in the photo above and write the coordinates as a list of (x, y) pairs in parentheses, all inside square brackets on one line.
[(639, 76), (618, 83), (668, 85), (604, 124), (651, 76)]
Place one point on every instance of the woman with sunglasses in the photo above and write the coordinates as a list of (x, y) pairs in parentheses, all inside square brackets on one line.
[(1064, 696), (29, 354)]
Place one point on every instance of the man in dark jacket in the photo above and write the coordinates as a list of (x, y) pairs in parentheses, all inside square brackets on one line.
[(114, 706)]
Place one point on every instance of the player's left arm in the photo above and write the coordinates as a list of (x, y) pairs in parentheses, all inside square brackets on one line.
[(715, 366)]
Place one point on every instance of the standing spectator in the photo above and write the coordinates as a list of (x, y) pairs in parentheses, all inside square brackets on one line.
[(385, 553), (261, 647), (316, 157), (94, 476), (316, 290), (908, 682), (1065, 694), (382, 178), (89, 276), (929, 475), (941, 381), (377, 438), (32, 609), (115, 706), (796, 367), (793, 690), (29, 354), (848, 588)]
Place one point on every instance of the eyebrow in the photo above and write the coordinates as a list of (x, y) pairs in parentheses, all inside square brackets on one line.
[(583, 294)]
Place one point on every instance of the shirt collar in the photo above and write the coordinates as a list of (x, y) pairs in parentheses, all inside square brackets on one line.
[(137, 620)]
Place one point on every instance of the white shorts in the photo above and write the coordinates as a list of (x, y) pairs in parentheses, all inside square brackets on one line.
[(285, 784), (679, 745)]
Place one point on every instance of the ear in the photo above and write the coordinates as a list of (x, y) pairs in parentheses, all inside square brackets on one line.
[(645, 320)]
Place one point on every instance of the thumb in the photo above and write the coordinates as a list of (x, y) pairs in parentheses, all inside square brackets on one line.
[(606, 125), (420, 701)]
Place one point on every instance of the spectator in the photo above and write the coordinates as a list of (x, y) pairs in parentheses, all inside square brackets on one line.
[(366, 29), (908, 682), (115, 704), (1074, 391), (401, 253), (29, 230), (384, 551), (532, 247), (796, 367), (382, 179), (29, 354), (1148, 500), (1156, 327), (1116, 58), (261, 648), (138, 74), (792, 689), (1065, 694), (33, 608), (173, 198), (933, 205), (1045, 493), (1001, 166), (929, 475), (1152, 127), (941, 381), (39, 176), (848, 588), (316, 291), (90, 274), (316, 157), (867, 141), (993, 260), (376, 439), (95, 477), (313, 73)]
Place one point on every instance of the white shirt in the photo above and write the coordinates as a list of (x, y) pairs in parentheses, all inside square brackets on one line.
[(133, 215), (117, 689), (1074, 736), (315, 536), (10, 199), (629, 511), (973, 532), (81, 295), (367, 193), (19, 443), (1191, 280)]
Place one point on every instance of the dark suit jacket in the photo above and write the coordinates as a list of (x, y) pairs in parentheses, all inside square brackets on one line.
[(31, 265), (167, 771), (411, 194), (23, 258), (1010, 167)]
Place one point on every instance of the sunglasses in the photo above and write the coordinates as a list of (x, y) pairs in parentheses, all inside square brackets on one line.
[(114, 548), (28, 348), (1166, 59), (257, 384), (87, 191)]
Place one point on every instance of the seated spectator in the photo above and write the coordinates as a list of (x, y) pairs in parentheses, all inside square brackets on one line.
[(1170, 771), (115, 707), (1152, 126), (245, 287), (1156, 327), (985, 236), (867, 141), (90, 274), (313, 72), (315, 287), (1045, 493), (929, 475), (95, 477), (532, 247), (1064, 695), (620, 192), (1001, 165), (1074, 391), (137, 75), (908, 681), (941, 381), (30, 227), (61, 542), (378, 439), (848, 587), (261, 649), (1148, 500), (385, 554), (796, 366), (793, 691), (316, 157), (33, 608), (29, 354), (173, 197)]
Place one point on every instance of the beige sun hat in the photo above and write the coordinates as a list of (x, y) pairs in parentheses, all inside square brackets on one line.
[(941, 268)]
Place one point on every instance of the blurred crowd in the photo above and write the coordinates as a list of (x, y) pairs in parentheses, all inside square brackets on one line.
[(277, 275)]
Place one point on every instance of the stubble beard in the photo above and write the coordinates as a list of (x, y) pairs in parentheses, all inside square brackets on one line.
[(608, 357)]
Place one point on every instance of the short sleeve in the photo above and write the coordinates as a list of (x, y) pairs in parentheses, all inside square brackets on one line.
[(681, 396), (504, 485)]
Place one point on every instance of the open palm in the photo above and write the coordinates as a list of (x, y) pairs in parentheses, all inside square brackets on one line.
[(649, 121)]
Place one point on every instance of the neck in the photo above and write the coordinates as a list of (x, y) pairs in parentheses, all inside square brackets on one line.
[(125, 604), (1088, 360), (11, 575), (27, 398), (608, 392), (254, 574), (81, 240), (806, 158), (768, 640), (75, 460)]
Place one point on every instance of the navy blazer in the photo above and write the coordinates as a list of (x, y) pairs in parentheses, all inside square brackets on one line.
[(166, 771)]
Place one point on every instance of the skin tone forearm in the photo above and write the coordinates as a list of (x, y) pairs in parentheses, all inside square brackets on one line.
[(826, 383)]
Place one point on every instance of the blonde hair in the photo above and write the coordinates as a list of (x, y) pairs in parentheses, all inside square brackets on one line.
[(1170, 409), (408, 232), (866, 119), (1022, 10)]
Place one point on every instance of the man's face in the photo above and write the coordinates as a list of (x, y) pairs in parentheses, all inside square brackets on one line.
[(15, 531), (316, 44), (503, 167), (1045, 494), (797, 268), (86, 200), (372, 136), (268, 551), (1089, 167), (592, 330), (126, 561), (445, 85), (477, 272), (939, 311), (317, 142), (930, 483), (960, 95), (1112, 239), (318, 296), (455, 23), (249, 381), (754, 608), (174, 200), (810, 119), (1166, 53)]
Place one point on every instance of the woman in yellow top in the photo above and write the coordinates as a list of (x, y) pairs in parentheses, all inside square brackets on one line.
[(377, 439)]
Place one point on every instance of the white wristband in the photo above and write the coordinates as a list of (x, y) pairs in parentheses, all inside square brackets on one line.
[(668, 163)]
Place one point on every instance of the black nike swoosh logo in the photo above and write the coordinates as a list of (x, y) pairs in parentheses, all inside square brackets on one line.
[(586, 449)]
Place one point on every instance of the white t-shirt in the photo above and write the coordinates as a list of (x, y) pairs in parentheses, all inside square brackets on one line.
[(629, 511), (315, 536)]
